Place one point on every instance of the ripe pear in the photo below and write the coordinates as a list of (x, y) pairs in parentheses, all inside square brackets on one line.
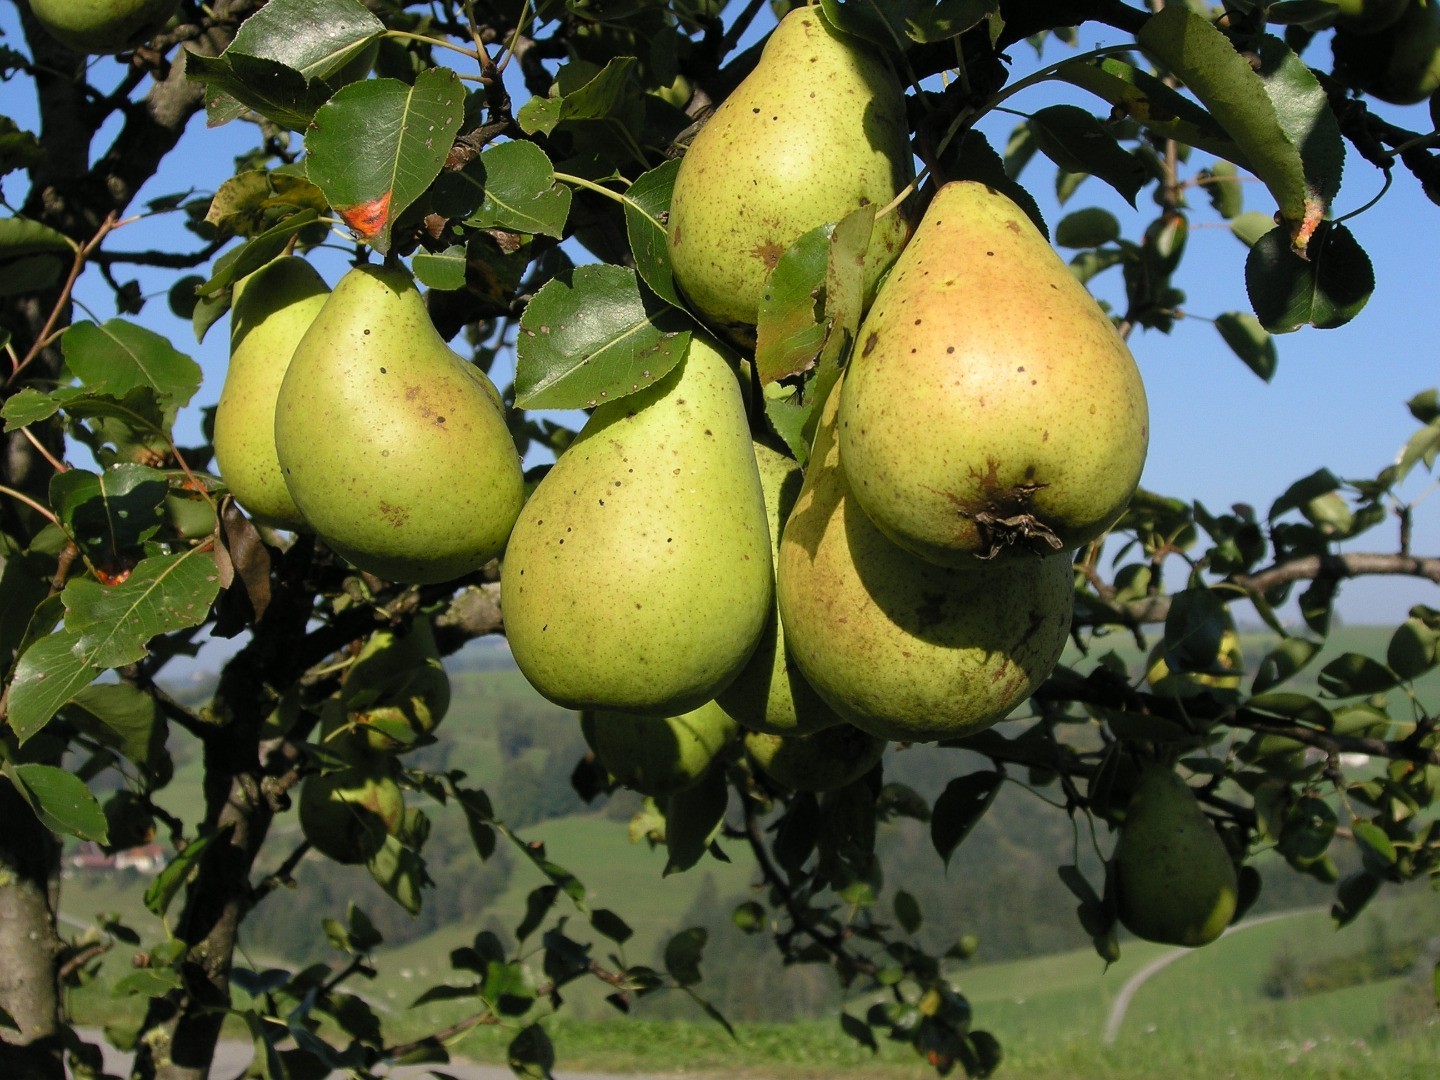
[(347, 813), (990, 407), (816, 131), (103, 26), (770, 694), (273, 308), (899, 647), (391, 445), (1175, 881), (638, 579), (660, 755), (823, 761)]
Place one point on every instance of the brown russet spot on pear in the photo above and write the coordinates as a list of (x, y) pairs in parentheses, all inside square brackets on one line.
[(777, 160), (685, 537), (378, 477), (994, 411)]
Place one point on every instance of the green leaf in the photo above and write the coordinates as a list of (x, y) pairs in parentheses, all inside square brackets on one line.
[(1278, 115), (907, 911), (1149, 102), (443, 270), (1079, 144), (1351, 674), (317, 38), (242, 261), (252, 202), (60, 800), (693, 817), (1225, 189), (929, 21), (147, 982), (1249, 341), (110, 514), (171, 880), (790, 331), (119, 356), (591, 335), (1412, 649), (163, 593), (233, 83), (1194, 626), (128, 720), (883, 22), (49, 674), (647, 203), (959, 809), (376, 146), (1374, 844), (683, 953), (1087, 229), (1283, 661), (19, 149), (518, 190), (601, 98), (20, 236), (858, 1030), (400, 871), (1325, 290), (1297, 707), (531, 1053), (1250, 226), (611, 925)]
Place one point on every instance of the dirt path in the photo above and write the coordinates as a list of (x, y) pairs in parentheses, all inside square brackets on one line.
[(1132, 985)]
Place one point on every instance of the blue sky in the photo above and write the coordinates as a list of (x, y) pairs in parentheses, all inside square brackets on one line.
[(1218, 434)]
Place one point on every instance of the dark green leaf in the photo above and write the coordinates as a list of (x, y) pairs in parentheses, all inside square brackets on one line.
[(531, 1053), (1087, 229), (879, 21), (1352, 895), (907, 911), (242, 261), (1353, 673), (400, 871), (518, 190), (376, 146), (147, 982), (1249, 341), (18, 149), (693, 817), (1296, 707), (858, 1030), (21, 236), (591, 335), (538, 903), (790, 330), (683, 953), (1225, 188), (128, 720), (171, 880), (1411, 652), (1283, 661), (49, 674), (959, 808), (1325, 290), (1194, 626), (236, 82), (611, 925), (1375, 845), (600, 98), (110, 514), (929, 20), (1078, 143), (60, 800), (317, 38), (647, 202)]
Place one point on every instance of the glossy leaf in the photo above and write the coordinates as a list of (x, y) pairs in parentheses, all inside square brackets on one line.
[(647, 202), (517, 190), (443, 270), (118, 356), (1249, 341), (233, 83), (314, 37), (376, 146), (50, 672), (109, 514), (591, 335), (21, 236), (693, 817), (1325, 290), (1081, 145), (250, 203), (1354, 673), (59, 799), (600, 98), (1194, 627)]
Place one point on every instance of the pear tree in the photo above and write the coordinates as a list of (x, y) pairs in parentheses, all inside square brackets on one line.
[(722, 357)]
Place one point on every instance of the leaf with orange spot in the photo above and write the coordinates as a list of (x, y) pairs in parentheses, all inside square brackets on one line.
[(377, 145)]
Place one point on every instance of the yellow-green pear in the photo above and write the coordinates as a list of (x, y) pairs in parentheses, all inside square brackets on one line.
[(816, 131), (391, 445), (822, 761), (770, 694), (638, 578), (103, 26), (273, 308), (1174, 879), (898, 646), (990, 408), (660, 755)]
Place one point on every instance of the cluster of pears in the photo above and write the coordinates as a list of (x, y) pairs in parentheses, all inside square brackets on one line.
[(677, 579), (394, 694), (347, 415)]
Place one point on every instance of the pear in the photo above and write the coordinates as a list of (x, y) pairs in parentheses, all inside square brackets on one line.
[(103, 26), (823, 761), (990, 407), (638, 579), (1175, 882), (347, 813), (814, 132), (273, 308), (899, 647), (392, 446), (660, 755), (770, 694)]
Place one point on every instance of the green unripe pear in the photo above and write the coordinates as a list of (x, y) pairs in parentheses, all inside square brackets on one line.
[(660, 755), (815, 132), (396, 692), (273, 308), (1400, 64), (103, 26), (990, 410), (391, 445), (1175, 881), (347, 813), (770, 694), (823, 761), (638, 578), (898, 646)]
